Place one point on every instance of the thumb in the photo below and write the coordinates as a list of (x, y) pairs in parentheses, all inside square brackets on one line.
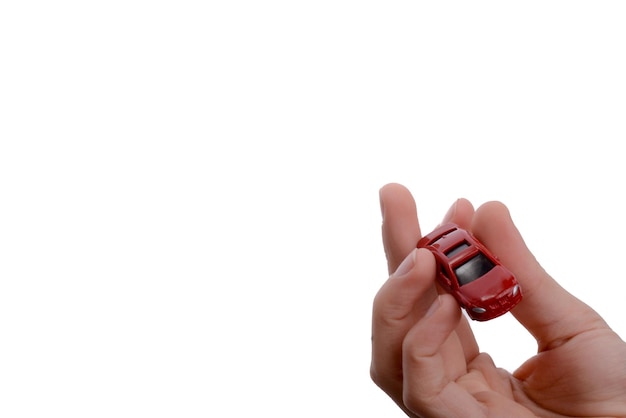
[(550, 313)]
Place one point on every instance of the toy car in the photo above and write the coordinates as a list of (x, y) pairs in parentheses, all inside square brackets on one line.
[(467, 270)]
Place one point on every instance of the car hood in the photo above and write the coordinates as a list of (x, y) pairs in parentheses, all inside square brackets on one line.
[(498, 280)]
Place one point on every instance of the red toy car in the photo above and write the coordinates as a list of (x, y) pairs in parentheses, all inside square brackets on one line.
[(474, 276)]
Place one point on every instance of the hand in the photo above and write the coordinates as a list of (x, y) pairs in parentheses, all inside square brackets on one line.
[(425, 356)]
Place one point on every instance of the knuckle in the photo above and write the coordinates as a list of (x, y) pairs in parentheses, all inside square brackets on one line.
[(379, 378), (385, 380), (413, 403)]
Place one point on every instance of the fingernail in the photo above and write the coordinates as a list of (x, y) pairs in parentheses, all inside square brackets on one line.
[(382, 205), (450, 213), (433, 308), (406, 265)]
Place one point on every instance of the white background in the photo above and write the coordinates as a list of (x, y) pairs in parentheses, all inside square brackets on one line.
[(189, 220)]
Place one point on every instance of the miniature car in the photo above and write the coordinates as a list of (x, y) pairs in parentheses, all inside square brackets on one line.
[(467, 270)]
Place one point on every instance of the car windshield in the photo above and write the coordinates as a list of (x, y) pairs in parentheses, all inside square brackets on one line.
[(473, 269)]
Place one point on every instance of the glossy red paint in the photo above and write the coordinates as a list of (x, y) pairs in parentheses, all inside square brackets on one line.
[(474, 276)]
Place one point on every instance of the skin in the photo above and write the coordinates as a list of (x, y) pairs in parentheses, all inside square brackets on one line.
[(425, 356)]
